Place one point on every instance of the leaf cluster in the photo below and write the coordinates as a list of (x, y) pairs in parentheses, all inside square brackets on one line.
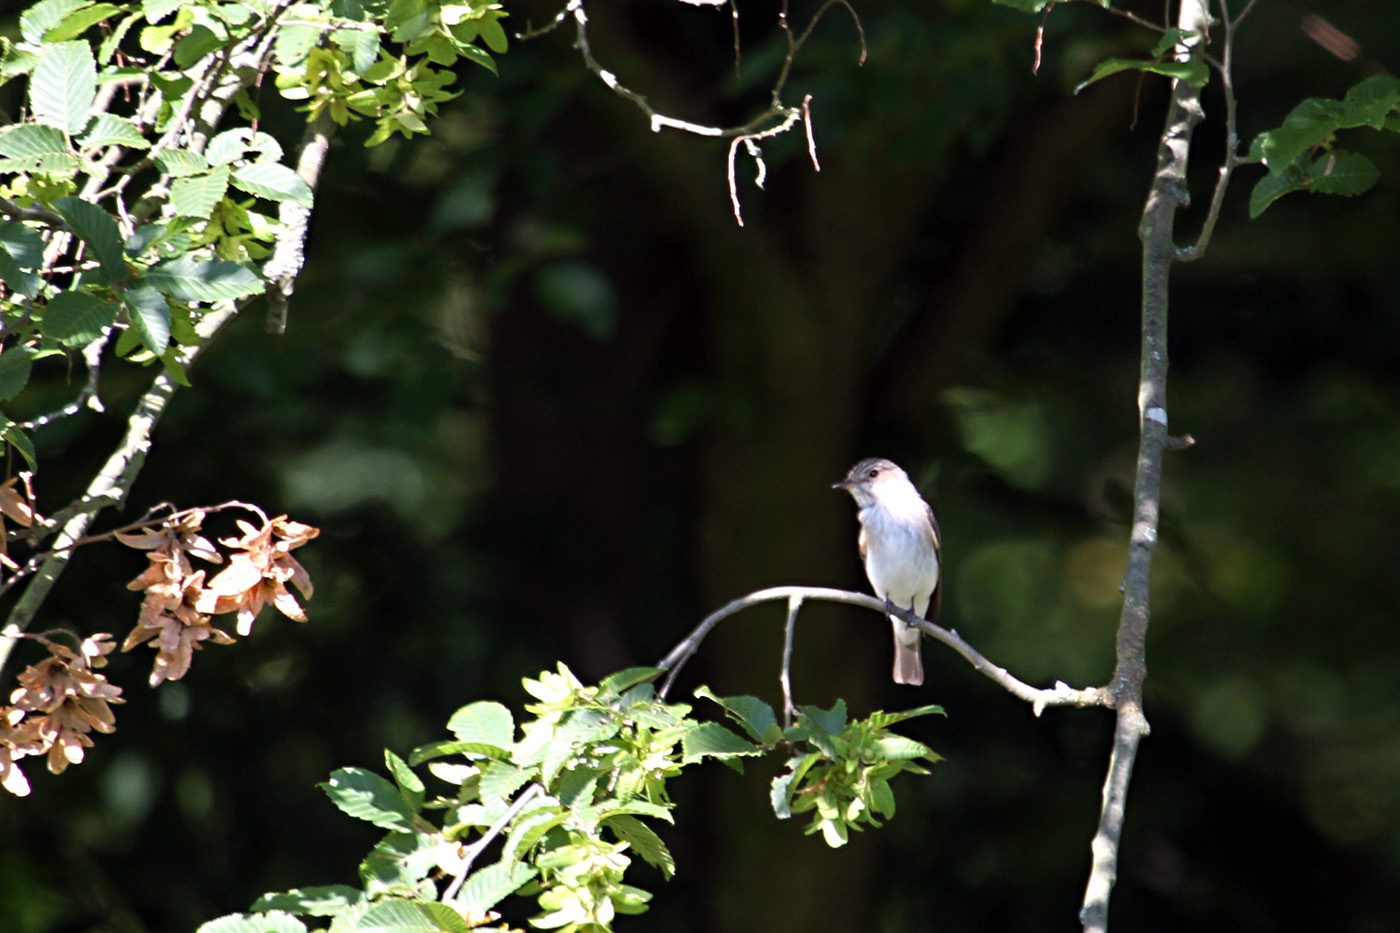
[(1301, 154), (568, 799)]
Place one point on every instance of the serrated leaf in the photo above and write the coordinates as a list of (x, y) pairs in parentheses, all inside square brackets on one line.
[(197, 43), (899, 748), (31, 139), (1281, 147), (487, 887), (150, 317), (80, 21), (831, 721), (188, 279), (410, 785), (21, 442), (880, 719), (530, 826), (112, 130), (369, 797), (411, 916), (197, 195), (273, 181), (15, 364), (1267, 190), (180, 162), (750, 712), (294, 43), (484, 722), (63, 87), (500, 780), (398, 862), (1193, 71), (362, 45), (318, 901), (710, 739), (274, 922), (45, 15), (23, 243), (95, 227), (157, 10), (644, 841), (1344, 173), (76, 319), (18, 280)]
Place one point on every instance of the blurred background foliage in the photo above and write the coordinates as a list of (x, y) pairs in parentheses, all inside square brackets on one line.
[(547, 402)]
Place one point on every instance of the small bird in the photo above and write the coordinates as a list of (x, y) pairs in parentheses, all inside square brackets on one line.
[(902, 550)]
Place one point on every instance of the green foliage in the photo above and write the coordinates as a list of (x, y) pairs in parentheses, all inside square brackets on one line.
[(120, 216), (1193, 71), (1301, 155), (569, 799)]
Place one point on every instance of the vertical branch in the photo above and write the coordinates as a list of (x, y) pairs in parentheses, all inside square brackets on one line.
[(1168, 193)]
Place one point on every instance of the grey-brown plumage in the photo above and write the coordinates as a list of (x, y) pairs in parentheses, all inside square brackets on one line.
[(902, 551)]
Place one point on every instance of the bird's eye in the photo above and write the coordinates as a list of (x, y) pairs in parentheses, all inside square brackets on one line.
[(873, 473)]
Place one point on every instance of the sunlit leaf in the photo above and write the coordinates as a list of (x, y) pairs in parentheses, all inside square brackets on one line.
[(150, 317), (367, 796), (95, 227), (189, 279), (77, 318), (63, 86), (273, 181)]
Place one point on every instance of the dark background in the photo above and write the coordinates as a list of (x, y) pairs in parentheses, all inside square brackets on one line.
[(547, 402)]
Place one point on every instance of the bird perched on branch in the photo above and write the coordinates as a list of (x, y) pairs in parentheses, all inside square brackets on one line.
[(902, 551)]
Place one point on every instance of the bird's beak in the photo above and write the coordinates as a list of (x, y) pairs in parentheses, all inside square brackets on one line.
[(844, 484)]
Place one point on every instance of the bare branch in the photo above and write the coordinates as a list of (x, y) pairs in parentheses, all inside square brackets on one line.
[(1167, 194), (1060, 695), (785, 677), (289, 254), (473, 851)]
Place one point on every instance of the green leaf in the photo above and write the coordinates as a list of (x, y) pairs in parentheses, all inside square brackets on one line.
[(362, 45), (487, 887), (274, 922), (79, 21), (398, 863), (21, 249), (157, 10), (45, 15), (411, 916), (784, 785), (112, 130), (757, 717), (21, 442), (710, 739), (114, 40), (1281, 147), (95, 227), (484, 723), (1269, 189), (881, 719), (367, 796), (180, 162), (76, 319), (197, 195), (188, 279), (1344, 173), (19, 280), (614, 684), (15, 364), (1193, 71), (644, 841), (1032, 6), (31, 139), (197, 43), (150, 316), (63, 87), (410, 785), (273, 181), (832, 721), (319, 901), (501, 779), (899, 748), (294, 43)]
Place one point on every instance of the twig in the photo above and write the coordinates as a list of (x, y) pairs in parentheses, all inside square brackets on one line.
[(111, 484), (1232, 158), (473, 851), (1059, 695), (785, 677), (88, 397)]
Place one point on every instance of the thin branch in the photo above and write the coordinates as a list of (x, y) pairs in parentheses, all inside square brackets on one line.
[(289, 254), (1059, 695), (1232, 158), (1168, 193), (785, 677), (88, 397), (111, 484), (473, 851)]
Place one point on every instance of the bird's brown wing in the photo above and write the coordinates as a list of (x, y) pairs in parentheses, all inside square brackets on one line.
[(935, 605)]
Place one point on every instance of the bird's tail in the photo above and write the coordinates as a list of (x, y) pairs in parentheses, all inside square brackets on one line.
[(908, 658)]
